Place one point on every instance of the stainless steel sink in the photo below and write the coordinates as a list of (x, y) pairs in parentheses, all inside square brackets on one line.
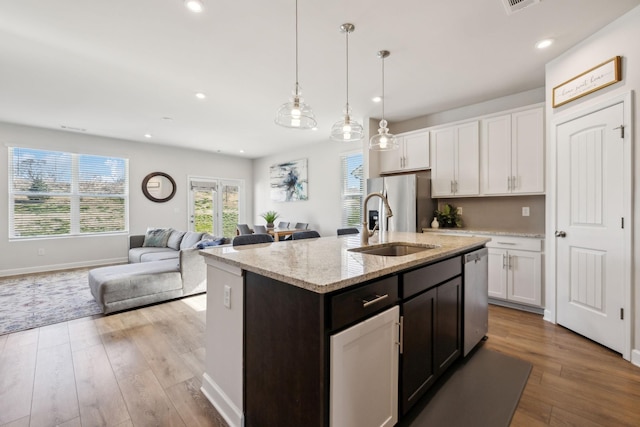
[(393, 249)]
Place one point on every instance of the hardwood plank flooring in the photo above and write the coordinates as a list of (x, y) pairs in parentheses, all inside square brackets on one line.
[(144, 367), (574, 381)]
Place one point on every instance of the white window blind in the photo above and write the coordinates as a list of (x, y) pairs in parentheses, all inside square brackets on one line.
[(352, 189), (53, 193)]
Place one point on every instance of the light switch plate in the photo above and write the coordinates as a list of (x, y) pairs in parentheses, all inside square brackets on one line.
[(525, 211)]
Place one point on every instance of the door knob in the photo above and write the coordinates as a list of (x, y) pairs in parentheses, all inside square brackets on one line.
[(561, 234)]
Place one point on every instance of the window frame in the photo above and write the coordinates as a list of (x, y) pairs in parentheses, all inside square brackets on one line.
[(345, 194), (74, 195)]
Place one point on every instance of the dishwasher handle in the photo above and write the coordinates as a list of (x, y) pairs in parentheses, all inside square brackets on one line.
[(475, 256)]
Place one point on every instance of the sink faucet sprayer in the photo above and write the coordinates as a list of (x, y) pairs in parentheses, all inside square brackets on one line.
[(365, 229)]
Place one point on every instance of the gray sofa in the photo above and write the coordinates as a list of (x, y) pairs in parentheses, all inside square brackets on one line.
[(155, 273)]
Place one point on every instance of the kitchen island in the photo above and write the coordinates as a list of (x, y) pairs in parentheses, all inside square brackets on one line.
[(286, 321)]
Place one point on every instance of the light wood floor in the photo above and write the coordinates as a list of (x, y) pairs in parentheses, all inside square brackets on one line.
[(144, 367)]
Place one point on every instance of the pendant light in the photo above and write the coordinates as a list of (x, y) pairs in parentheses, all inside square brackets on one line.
[(347, 129), (295, 113), (383, 141)]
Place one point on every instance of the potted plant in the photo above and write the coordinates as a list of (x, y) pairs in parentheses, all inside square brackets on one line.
[(270, 217), (448, 216)]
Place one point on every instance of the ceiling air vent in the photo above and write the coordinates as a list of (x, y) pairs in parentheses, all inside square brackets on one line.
[(513, 6)]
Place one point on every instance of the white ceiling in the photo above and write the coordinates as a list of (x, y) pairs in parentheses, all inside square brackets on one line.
[(119, 68)]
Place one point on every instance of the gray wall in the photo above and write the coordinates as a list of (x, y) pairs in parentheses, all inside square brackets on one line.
[(21, 256), (323, 209)]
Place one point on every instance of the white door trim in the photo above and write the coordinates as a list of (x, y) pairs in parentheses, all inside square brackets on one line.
[(550, 312)]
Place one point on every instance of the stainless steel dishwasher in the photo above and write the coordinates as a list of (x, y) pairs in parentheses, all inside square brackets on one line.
[(476, 298)]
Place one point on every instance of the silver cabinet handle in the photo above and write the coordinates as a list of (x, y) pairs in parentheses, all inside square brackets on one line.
[(509, 262), (509, 183), (376, 298), (504, 261), (506, 243)]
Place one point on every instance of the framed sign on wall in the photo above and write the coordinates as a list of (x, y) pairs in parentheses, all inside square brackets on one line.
[(596, 78)]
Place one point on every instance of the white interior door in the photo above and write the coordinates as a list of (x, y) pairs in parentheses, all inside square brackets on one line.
[(590, 242)]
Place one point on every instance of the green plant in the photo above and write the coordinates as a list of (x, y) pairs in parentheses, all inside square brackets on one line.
[(448, 216), (270, 216)]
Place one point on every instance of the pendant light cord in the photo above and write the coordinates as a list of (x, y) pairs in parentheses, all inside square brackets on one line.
[(296, 47), (347, 35), (383, 100)]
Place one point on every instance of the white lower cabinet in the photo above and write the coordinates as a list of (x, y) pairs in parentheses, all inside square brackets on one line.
[(364, 373), (515, 270)]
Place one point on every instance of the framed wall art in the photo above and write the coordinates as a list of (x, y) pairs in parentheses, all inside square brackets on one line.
[(596, 78), (288, 181)]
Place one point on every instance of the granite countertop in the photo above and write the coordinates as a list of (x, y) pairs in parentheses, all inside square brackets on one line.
[(484, 231), (325, 264)]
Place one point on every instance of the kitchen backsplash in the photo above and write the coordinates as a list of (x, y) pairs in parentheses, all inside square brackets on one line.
[(501, 213)]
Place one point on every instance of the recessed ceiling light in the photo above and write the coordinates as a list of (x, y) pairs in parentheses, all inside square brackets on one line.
[(200, 95), (147, 135), (314, 128), (544, 43), (194, 5), (376, 99), (242, 151)]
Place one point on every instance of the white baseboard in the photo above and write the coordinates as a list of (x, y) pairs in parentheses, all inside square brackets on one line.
[(635, 357), (230, 412), (56, 267), (548, 316)]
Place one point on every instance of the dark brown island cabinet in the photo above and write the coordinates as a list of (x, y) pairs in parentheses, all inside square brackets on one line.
[(369, 351)]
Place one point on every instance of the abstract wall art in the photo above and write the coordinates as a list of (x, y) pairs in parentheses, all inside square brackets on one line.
[(288, 181)]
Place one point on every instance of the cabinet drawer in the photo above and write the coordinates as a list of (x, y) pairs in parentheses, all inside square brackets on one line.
[(347, 307), (426, 277), (520, 243)]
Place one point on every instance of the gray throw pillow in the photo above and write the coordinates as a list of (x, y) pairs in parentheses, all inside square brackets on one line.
[(175, 239), (156, 237), (190, 239)]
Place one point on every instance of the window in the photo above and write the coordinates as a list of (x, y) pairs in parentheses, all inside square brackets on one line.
[(215, 205), (352, 189), (60, 194)]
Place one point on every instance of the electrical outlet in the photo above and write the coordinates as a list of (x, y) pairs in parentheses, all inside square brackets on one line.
[(525, 211), (227, 296), (459, 210), (40, 251)]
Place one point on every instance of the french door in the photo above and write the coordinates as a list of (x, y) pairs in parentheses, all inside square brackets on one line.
[(216, 206)]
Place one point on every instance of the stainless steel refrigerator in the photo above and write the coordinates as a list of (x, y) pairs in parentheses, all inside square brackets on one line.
[(409, 197)]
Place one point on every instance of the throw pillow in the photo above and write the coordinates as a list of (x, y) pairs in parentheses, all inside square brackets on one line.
[(156, 237), (190, 239), (205, 243), (175, 239)]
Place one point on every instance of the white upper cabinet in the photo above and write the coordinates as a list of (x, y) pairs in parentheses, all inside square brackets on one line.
[(413, 153), (455, 165), (512, 153)]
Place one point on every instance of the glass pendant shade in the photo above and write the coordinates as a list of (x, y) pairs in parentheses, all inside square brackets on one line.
[(383, 141), (295, 113), (347, 129)]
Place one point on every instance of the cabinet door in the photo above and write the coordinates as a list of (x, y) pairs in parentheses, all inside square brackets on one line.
[(442, 168), (416, 150), (391, 161), (364, 373), (497, 261), (448, 327), (524, 283), (496, 155), (417, 349), (467, 180), (527, 153)]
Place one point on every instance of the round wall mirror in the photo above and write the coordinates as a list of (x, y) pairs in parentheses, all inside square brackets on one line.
[(158, 187)]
